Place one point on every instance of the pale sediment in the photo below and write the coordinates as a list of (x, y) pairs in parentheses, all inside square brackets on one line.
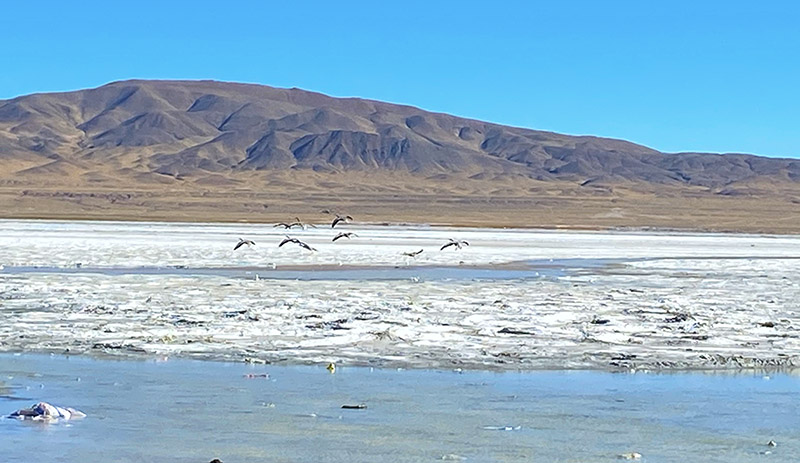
[(729, 303)]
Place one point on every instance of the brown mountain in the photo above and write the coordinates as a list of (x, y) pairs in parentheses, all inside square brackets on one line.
[(203, 139)]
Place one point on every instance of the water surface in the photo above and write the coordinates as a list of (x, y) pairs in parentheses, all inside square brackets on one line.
[(190, 411), (310, 273)]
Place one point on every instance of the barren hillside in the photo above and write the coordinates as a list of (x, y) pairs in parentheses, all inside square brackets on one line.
[(202, 150)]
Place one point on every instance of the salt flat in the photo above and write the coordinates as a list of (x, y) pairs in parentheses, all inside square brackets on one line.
[(513, 299)]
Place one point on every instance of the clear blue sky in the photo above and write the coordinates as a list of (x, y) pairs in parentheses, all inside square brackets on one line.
[(721, 76)]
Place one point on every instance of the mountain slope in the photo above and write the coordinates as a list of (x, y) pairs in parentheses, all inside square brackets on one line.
[(202, 138), (192, 128)]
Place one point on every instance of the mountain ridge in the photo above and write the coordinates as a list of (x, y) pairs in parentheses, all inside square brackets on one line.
[(404, 105), (93, 152), (209, 126)]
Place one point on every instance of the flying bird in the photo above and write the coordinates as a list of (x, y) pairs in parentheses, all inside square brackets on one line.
[(289, 239), (341, 218), (242, 242), (347, 235), (304, 245), (299, 223), (457, 243), (413, 253)]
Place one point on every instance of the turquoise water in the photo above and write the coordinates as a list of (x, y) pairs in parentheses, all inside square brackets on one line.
[(190, 411)]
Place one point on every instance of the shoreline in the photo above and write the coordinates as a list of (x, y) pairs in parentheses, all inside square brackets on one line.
[(400, 365), (488, 224)]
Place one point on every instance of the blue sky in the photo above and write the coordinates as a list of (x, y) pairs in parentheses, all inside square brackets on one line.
[(677, 76)]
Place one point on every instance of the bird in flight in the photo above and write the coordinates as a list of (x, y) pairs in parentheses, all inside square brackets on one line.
[(347, 235), (289, 239), (304, 245), (297, 223), (242, 242), (457, 243), (341, 218), (413, 253)]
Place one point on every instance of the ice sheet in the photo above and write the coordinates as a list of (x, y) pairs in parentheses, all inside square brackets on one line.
[(620, 300)]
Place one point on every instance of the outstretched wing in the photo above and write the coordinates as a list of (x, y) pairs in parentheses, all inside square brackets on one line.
[(447, 245), (238, 245), (304, 245), (287, 240), (340, 235), (335, 221)]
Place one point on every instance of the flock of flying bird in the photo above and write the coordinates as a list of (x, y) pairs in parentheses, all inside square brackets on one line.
[(297, 223)]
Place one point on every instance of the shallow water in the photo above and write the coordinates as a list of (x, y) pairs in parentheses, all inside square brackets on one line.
[(314, 273), (190, 411)]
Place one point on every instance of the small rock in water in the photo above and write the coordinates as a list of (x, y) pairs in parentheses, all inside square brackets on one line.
[(631, 456), (48, 412), (355, 407)]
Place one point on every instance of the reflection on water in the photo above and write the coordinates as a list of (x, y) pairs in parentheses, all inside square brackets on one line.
[(188, 411)]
